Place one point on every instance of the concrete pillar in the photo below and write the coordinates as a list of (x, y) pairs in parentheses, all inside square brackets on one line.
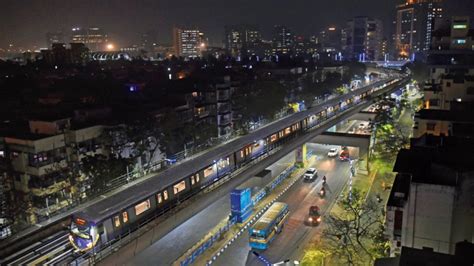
[(300, 159)]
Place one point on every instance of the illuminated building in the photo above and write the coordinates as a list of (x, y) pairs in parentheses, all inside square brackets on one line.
[(363, 37), (54, 37), (282, 40), (94, 38), (188, 43), (330, 39), (414, 26), (241, 39)]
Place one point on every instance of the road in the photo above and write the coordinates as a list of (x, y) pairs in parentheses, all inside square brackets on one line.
[(175, 243), (289, 244)]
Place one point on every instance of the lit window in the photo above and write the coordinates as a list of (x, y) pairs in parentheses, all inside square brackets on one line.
[(273, 138), (197, 178), (287, 130), (179, 187), (142, 207), (192, 180), (208, 171), (242, 153), (165, 195), (125, 217), (116, 221), (159, 198)]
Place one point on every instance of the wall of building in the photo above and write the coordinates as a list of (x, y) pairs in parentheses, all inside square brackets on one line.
[(428, 215)]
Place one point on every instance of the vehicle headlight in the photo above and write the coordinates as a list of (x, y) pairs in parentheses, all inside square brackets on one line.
[(319, 219), (310, 219)]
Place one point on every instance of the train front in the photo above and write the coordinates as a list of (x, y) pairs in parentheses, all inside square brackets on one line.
[(83, 234)]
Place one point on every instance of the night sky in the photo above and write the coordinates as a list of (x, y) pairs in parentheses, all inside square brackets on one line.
[(25, 22)]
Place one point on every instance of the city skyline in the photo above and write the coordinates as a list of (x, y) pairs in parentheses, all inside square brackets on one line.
[(125, 21)]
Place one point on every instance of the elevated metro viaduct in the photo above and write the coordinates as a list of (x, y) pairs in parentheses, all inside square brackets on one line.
[(302, 139), (362, 142)]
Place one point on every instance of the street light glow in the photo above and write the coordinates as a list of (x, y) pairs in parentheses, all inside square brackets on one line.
[(110, 47)]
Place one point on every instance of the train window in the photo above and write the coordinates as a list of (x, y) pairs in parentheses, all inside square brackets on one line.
[(287, 130), (125, 217), (273, 138), (165, 195), (242, 153), (209, 171), (159, 198), (192, 180), (197, 178), (179, 187), (117, 221), (142, 207)]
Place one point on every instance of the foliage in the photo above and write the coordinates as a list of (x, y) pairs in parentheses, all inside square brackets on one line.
[(354, 69), (341, 90), (102, 170), (312, 89), (260, 100), (350, 233), (419, 70), (313, 257)]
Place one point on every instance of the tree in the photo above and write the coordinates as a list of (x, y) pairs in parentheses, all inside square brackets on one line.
[(354, 70), (260, 100), (351, 233), (419, 70), (101, 170)]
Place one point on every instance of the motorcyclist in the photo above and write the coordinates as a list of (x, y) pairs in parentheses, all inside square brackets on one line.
[(322, 192), (324, 179)]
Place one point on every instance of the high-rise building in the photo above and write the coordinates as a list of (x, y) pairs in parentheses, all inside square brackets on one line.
[(363, 39), (414, 26), (241, 39), (54, 37), (188, 43), (94, 38), (330, 39), (149, 41), (282, 39)]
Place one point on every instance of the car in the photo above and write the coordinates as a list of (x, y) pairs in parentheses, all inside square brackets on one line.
[(333, 152), (314, 216), (310, 174), (344, 155)]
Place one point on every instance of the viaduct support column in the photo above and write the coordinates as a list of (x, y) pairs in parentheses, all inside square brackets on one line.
[(300, 160)]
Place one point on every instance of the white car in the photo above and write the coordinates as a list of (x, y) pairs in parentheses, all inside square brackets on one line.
[(333, 152), (310, 174)]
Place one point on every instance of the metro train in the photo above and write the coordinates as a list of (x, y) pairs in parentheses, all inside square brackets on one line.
[(121, 213)]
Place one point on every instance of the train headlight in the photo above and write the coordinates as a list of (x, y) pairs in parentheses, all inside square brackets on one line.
[(310, 219), (319, 219)]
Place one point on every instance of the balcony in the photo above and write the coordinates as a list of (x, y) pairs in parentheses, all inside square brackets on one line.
[(51, 189), (53, 166)]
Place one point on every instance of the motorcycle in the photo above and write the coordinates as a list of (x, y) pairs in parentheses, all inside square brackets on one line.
[(322, 192), (324, 180)]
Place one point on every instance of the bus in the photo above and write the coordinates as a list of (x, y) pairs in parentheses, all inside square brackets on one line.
[(271, 223)]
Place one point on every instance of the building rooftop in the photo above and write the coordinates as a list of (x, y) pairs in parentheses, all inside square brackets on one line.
[(464, 256), (445, 115), (436, 159)]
